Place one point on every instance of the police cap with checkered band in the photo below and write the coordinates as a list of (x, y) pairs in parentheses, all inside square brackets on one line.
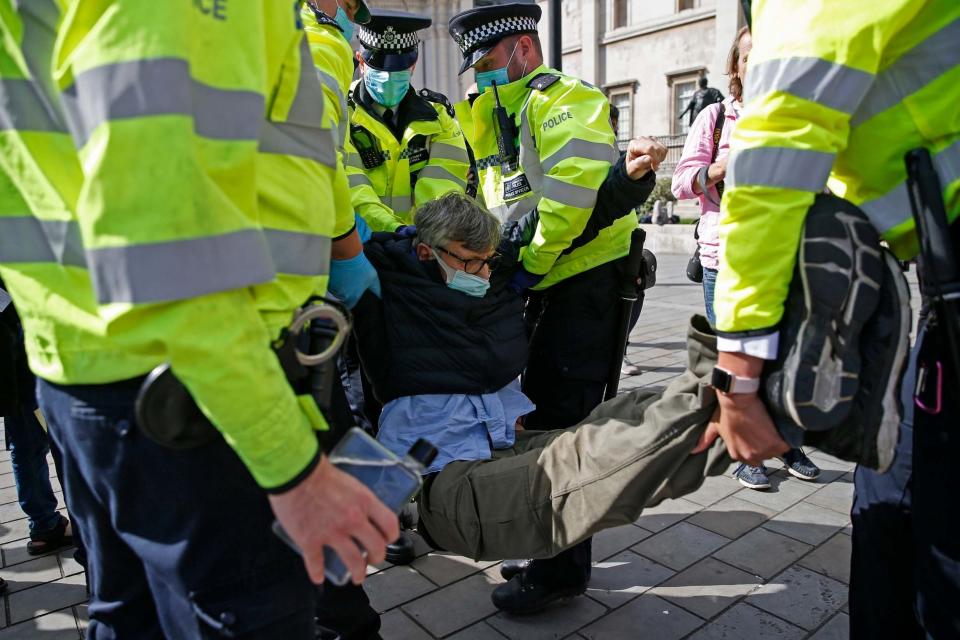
[(389, 40), (478, 30)]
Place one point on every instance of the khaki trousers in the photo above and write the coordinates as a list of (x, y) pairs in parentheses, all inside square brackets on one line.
[(554, 489)]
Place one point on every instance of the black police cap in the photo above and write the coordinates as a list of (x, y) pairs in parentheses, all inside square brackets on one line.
[(478, 30), (390, 41)]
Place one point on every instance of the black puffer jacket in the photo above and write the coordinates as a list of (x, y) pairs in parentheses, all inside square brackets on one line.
[(424, 337)]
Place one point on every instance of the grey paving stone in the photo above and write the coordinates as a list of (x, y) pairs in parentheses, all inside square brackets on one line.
[(16, 552), (707, 588), (395, 625), (808, 523), (731, 517), (713, 489), (800, 596), (8, 495), (838, 495), (681, 545), (394, 586), (29, 574), (68, 565), (82, 613), (667, 513), (552, 624), (624, 577), (827, 462), (442, 568), (45, 598), (456, 606), (832, 558), (783, 493), (10, 512), (612, 541), (743, 621), (838, 628), (12, 531), (665, 621), (59, 625), (763, 553), (479, 631)]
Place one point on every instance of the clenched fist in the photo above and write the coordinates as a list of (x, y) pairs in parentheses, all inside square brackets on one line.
[(644, 154)]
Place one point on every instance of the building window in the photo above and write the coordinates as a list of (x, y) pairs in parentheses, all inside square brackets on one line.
[(683, 5), (682, 91), (620, 11), (622, 99)]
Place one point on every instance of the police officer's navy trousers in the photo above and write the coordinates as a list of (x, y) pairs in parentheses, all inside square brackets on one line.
[(905, 572), (179, 542)]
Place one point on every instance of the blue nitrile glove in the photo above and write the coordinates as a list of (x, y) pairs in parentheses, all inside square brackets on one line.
[(350, 278), (523, 280), (406, 231), (363, 229)]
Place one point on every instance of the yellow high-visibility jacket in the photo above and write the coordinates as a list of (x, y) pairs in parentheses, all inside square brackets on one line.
[(150, 196), (566, 149), (333, 60), (836, 93), (392, 173)]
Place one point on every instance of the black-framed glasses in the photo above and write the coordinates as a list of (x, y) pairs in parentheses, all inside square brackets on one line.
[(473, 266)]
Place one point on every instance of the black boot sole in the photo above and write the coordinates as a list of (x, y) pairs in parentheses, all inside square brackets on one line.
[(841, 269)]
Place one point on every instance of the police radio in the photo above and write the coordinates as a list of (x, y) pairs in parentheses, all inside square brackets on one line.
[(367, 146), (506, 135)]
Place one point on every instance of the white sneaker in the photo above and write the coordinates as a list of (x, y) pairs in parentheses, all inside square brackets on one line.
[(629, 369)]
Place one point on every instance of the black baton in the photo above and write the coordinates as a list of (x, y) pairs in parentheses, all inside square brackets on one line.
[(629, 293)]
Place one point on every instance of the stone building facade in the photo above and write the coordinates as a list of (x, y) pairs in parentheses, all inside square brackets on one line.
[(646, 55)]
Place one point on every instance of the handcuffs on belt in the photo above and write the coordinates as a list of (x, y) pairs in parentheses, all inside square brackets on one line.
[(168, 415)]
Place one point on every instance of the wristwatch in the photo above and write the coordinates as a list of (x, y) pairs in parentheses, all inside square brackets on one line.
[(726, 382)]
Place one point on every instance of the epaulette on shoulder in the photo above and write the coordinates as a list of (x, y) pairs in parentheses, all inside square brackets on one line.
[(543, 81), (438, 98)]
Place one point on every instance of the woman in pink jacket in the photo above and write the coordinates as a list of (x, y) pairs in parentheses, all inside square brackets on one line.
[(700, 174)]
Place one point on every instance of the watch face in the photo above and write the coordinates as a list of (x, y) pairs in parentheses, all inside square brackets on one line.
[(721, 380)]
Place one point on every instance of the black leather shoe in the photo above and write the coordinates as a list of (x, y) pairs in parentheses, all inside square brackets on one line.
[(401, 551), (510, 568), (520, 595)]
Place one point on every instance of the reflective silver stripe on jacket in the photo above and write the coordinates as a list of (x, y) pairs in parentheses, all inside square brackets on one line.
[(445, 151), (914, 70), (180, 269), (41, 110), (302, 254), (303, 134), (158, 87), (578, 148), (436, 172), (801, 169), (893, 208), (358, 179), (398, 203), (328, 81), (28, 239), (833, 85), (23, 108)]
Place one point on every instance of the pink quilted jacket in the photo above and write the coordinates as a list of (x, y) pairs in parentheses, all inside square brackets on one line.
[(696, 154)]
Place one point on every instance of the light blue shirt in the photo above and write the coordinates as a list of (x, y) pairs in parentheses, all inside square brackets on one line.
[(461, 427)]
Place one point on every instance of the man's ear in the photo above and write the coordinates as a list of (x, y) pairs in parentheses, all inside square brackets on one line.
[(424, 253)]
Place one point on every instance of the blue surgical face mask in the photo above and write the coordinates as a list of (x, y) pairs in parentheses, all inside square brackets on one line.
[(461, 280), (386, 87), (344, 23), (485, 79)]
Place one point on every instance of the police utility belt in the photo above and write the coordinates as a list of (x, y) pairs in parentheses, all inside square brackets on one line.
[(307, 349)]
